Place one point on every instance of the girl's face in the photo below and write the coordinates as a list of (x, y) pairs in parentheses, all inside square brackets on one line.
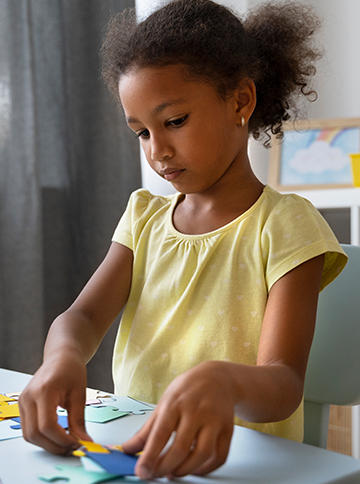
[(190, 136)]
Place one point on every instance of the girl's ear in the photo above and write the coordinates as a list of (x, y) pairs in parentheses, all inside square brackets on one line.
[(245, 101)]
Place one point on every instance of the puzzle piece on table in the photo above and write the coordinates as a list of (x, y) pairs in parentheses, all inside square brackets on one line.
[(129, 405), (90, 465), (115, 462), (9, 411), (103, 414), (78, 475), (92, 394), (6, 398), (94, 447), (14, 395), (94, 401), (16, 426), (62, 420), (7, 431)]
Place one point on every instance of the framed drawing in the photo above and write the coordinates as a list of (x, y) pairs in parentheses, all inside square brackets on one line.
[(314, 154)]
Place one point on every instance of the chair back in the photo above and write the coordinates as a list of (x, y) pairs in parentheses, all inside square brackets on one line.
[(333, 372)]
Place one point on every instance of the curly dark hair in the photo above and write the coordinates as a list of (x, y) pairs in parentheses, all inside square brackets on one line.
[(273, 46)]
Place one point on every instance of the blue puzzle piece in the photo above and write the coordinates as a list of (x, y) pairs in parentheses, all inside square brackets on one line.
[(127, 404), (115, 462), (7, 431), (78, 475), (16, 427), (62, 420)]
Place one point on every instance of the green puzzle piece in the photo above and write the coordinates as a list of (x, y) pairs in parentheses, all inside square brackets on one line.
[(78, 475), (103, 414)]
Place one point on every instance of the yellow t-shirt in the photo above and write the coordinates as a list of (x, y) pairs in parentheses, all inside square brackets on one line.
[(202, 297)]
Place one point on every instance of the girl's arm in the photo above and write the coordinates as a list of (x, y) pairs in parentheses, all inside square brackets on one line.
[(72, 340), (200, 404)]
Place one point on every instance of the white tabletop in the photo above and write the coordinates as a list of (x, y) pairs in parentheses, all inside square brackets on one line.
[(254, 457)]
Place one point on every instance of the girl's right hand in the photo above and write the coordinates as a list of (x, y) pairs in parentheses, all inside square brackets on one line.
[(60, 381)]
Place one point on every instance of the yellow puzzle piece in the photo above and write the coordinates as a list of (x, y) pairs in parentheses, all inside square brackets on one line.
[(5, 398), (9, 411), (94, 447)]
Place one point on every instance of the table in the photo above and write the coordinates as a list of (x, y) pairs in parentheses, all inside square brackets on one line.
[(254, 457)]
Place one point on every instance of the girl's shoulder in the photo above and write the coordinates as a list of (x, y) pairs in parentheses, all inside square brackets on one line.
[(290, 211), (143, 202), (289, 201)]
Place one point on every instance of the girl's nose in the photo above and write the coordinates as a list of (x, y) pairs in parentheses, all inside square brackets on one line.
[(160, 149)]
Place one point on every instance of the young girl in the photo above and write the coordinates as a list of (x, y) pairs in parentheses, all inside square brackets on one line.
[(220, 281)]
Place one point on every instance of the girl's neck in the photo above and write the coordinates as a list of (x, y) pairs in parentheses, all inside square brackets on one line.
[(201, 213)]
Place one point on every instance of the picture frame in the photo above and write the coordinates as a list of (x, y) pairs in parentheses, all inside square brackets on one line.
[(314, 154)]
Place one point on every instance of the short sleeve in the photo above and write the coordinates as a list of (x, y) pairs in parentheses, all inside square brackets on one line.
[(141, 207), (294, 233), (125, 229)]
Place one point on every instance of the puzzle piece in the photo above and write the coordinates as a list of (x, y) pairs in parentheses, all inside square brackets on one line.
[(94, 401), (93, 447), (125, 404), (90, 465), (7, 431), (129, 405), (103, 414), (13, 395), (16, 426), (9, 411), (115, 462), (62, 420), (5, 398), (78, 475), (95, 394)]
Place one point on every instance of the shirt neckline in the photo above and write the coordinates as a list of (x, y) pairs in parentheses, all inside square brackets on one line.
[(218, 231)]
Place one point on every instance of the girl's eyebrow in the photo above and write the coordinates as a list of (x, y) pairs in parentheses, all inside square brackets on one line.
[(157, 109)]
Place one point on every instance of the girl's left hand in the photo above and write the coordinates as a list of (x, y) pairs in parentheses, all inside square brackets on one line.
[(199, 407)]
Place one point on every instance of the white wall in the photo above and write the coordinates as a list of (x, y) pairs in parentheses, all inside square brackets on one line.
[(338, 77)]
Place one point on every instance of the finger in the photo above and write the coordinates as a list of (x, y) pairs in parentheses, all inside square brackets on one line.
[(201, 451), (47, 421), (180, 449), (163, 426), (137, 442), (76, 417), (32, 433), (217, 459)]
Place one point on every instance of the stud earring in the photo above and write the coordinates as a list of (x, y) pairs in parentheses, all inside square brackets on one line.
[(242, 121)]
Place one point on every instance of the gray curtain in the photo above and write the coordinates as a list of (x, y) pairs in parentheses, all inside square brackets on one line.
[(67, 166)]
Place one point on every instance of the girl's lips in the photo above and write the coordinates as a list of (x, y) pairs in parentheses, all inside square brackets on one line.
[(172, 175)]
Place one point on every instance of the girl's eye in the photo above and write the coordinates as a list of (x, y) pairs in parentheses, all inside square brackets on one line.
[(143, 134), (179, 121)]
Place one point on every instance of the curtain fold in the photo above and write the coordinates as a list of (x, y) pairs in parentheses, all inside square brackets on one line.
[(68, 164)]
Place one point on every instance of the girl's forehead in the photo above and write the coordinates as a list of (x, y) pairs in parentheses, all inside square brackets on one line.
[(160, 84), (174, 74)]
